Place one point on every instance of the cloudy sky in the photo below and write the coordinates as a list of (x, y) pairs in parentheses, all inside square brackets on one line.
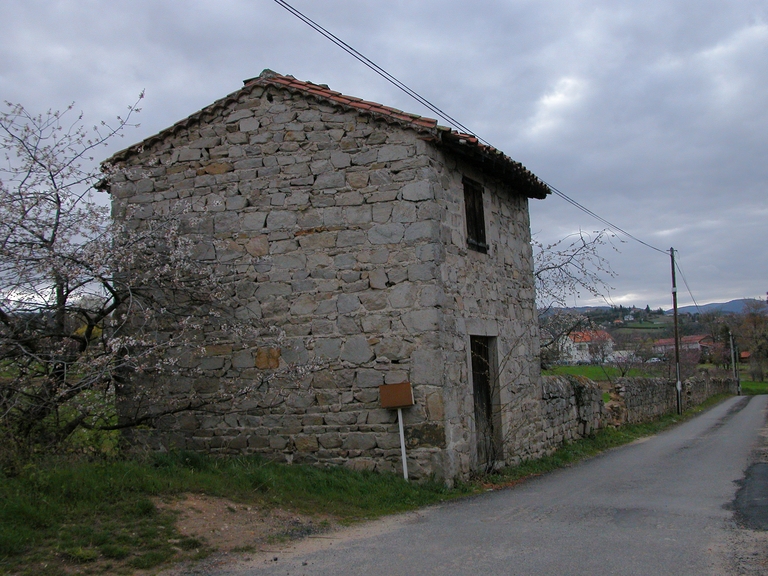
[(652, 114)]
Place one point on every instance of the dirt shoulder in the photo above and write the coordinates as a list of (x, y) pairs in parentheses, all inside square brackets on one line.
[(278, 541), (228, 526), (234, 530)]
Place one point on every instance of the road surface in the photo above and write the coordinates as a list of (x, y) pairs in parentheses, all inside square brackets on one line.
[(661, 506)]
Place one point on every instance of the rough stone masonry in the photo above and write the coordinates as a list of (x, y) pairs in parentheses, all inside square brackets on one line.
[(343, 225)]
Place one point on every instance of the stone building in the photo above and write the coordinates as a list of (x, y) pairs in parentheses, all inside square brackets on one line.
[(386, 247)]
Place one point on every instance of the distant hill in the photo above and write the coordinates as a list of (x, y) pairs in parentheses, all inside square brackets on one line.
[(586, 309), (734, 307), (579, 309)]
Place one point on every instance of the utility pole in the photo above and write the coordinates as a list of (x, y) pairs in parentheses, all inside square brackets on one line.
[(733, 364), (679, 384)]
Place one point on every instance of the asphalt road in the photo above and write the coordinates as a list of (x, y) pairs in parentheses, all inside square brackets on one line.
[(665, 505)]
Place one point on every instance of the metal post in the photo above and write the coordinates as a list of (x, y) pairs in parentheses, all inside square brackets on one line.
[(402, 442), (679, 385)]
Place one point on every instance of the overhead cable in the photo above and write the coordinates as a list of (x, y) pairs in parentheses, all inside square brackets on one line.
[(433, 108), (378, 69), (603, 220), (682, 275)]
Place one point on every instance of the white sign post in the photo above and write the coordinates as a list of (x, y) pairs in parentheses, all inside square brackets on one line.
[(402, 442), (398, 396)]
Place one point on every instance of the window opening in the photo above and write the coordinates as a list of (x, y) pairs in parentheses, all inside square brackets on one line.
[(473, 206)]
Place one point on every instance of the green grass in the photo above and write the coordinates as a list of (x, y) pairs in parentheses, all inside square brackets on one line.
[(645, 326), (97, 514), (749, 387), (594, 373)]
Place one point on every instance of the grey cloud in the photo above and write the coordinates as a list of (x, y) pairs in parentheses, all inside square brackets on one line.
[(651, 114)]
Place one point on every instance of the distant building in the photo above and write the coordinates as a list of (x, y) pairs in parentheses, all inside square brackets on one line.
[(744, 356), (586, 347), (667, 345)]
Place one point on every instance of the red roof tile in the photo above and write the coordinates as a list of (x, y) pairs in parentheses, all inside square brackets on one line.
[(698, 339), (590, 336), (269, 77), (467, 146)]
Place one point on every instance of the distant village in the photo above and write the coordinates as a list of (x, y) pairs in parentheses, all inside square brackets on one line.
[(632, 336)]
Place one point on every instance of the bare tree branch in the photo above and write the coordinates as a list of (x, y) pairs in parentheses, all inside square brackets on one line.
[(87, 304)]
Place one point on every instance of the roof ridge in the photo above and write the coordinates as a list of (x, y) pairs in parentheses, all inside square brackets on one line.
[(466, 145), (323, 91)]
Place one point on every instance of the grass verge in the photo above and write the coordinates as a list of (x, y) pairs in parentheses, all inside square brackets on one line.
[(750, 387), (79, 517), (64, 517), (595, 373)]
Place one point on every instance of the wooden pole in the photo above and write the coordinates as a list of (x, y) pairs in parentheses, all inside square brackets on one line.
[(679, 384), (734, 366)]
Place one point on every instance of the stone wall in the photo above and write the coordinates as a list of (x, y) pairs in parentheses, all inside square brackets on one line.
[(643, 399), (572, 408), (346, 235), (699, 388)]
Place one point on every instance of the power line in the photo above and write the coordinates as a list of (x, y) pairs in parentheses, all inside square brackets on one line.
[(682, 275), (602, 220), (434, 108), (452, 121), (376, 68)]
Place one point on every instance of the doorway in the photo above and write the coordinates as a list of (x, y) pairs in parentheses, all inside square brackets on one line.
[(486, 399)]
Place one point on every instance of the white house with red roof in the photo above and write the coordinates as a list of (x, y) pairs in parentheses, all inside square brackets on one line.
[(586, 347)]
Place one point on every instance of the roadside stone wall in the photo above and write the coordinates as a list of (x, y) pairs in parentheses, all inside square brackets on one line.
[(643, 399), (346, 235), (699, 388), (572, 408)]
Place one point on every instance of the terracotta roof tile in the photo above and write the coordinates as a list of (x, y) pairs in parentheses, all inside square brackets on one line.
[(696, 339), (465, 145), (268, 77), (590, 336)]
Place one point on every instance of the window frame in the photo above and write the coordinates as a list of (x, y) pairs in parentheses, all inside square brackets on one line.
[(474, 214)]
